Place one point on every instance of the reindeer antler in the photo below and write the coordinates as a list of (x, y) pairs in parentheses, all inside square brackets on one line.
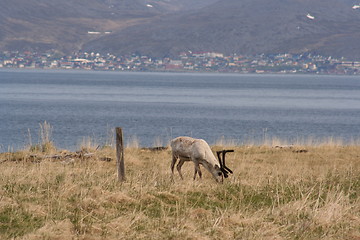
[(225, 173), (224, 169)]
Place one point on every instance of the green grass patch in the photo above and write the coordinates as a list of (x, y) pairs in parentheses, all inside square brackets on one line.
[(16, 221)]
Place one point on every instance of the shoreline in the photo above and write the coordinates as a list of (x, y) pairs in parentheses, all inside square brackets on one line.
[(177, 71)]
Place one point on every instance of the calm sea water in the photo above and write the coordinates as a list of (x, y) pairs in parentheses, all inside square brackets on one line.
[(154, 107)]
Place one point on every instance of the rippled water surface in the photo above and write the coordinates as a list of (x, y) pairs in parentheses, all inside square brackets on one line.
[(154, 107)]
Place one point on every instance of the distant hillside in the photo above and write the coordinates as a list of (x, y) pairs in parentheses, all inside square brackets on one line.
[(167, 27), (328, 27), (64, 25)]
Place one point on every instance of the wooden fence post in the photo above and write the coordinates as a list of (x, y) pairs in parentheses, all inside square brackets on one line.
[(120, 154)]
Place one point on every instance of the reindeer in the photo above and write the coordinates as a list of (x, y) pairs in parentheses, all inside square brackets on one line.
[(199, 152)]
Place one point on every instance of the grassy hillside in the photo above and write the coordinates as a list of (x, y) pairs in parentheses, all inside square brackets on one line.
[(245, 27), (41, 25), (303, 192), (161, 28)]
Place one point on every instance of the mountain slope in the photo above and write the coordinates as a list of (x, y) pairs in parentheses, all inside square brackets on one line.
[(64, 25), (328, 27), (167, 27)]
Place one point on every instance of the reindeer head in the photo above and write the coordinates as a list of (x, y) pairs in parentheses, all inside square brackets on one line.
[(214, 169)]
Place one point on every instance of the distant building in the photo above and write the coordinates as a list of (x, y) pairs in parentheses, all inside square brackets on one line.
[(93, 33), (174, 64), (207, 55)]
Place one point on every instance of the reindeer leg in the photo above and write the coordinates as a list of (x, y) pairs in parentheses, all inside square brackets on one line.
[(197, 169), (174, 159), (178, 167), (200, 173)]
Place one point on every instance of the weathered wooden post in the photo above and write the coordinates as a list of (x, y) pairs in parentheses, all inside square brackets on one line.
[(120, 154)]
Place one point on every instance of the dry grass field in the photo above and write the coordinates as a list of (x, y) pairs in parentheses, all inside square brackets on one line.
[(302, 192)]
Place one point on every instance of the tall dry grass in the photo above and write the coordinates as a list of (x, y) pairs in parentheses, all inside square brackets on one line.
[(45, 142), (297, 192)]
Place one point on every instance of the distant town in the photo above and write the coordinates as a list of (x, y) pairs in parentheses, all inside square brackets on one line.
[(184, 62)]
